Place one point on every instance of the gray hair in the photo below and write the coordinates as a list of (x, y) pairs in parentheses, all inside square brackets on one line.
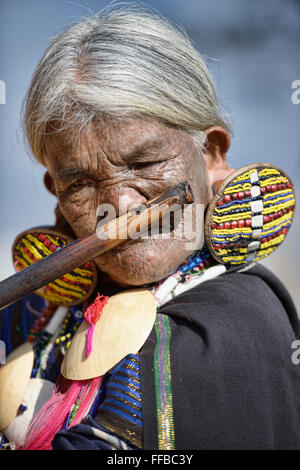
[(123, 61)]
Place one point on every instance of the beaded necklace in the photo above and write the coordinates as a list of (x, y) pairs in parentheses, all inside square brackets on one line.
[(199, 268)]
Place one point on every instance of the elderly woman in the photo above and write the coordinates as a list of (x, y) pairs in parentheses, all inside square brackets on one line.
[(122, 108)]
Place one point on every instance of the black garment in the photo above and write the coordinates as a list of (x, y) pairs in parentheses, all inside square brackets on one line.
[(234, 384)]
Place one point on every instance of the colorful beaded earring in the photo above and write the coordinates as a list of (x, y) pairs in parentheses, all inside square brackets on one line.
[(70, 289), (250, 215)]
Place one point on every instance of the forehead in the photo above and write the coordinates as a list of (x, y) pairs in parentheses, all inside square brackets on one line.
[(118, 138)]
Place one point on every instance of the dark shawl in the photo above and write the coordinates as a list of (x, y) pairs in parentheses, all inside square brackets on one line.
[(234, 385)]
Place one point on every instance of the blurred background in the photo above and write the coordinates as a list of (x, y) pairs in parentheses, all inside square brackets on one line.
[(252, 49)]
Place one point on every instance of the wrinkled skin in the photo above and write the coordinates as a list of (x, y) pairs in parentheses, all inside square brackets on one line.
[(130, 161)]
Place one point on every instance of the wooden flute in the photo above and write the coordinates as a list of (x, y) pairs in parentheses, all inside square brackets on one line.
[(88, 247)]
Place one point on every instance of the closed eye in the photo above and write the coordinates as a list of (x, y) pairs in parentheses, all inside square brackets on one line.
[(80, 184), (142, 165)]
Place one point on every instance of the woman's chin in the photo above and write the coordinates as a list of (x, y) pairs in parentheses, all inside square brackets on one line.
[(140, 262)]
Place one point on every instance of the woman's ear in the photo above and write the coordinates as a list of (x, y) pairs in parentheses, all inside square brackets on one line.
[(215, 155), (48, 182)]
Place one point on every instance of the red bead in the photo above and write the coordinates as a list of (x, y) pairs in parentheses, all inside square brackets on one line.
[(202, 265), (266, 219), (241, 195), (223, 246), (52, 247), (220, 226), (47, 242), (227, 225), (241, 223), (279, 187), (42, 237), (284, 231), (227, 198), (220, 202), (213, 225), (263, 190), (248, 193), (290, 185), (280, 214), (264, 240), (216, 247), (234, 224), (274, 188), (271, 217), (269, 188), (248, 222), (234, 196), (269, 239)]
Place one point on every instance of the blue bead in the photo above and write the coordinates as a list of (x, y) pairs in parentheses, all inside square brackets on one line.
[(191, 264), (184, 269), (197, 260)]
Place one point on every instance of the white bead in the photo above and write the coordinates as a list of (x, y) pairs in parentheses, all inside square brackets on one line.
[(254, 176), (257, 206), (257, 221), (255, 191)]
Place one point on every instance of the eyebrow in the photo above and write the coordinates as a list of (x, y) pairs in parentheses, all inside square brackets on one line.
[(72, 173), (142, 149)]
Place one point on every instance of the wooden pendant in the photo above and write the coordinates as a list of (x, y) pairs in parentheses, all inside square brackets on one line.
[(14, 378), (125, 324)]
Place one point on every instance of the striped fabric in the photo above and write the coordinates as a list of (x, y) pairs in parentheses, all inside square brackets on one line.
[(163, 385), (121, 409)]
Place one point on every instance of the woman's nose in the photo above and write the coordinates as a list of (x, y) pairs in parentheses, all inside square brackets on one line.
[(123, 198)]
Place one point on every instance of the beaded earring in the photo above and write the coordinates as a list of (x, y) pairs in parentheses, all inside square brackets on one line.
[(250, 215), (70, 289)]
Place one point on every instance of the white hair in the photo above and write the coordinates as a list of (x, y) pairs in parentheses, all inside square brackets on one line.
[(123, 61)]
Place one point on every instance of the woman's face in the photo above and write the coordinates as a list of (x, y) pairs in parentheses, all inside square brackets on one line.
[(126, 161)]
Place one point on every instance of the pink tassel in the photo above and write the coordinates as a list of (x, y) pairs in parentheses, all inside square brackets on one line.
[(52, 416), (89, 339), (91, 316)]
